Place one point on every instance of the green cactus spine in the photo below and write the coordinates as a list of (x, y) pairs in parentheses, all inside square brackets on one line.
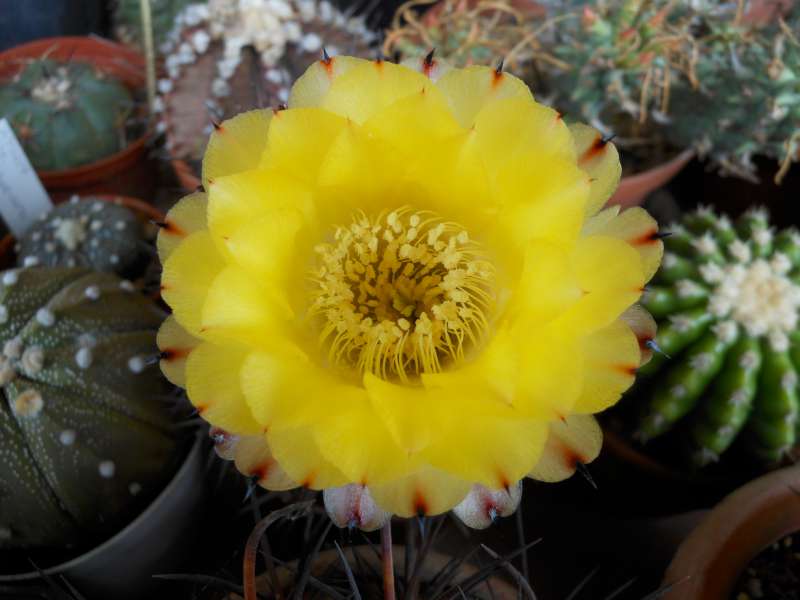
[(92, 233), (86, 438), (66, 114), (727, 298)]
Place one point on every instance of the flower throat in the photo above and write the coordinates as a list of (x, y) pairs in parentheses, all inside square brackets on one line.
[(401, 294)]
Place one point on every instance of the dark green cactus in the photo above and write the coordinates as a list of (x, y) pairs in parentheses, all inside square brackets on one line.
[(86, 439), (727, 299), (66, 114), (92, 233)]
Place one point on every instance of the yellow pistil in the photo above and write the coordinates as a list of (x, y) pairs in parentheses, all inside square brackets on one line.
[(401, 294)]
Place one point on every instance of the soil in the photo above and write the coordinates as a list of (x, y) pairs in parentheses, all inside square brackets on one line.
[(774, 574)]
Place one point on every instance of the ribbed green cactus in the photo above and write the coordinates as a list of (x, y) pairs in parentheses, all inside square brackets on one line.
[(87, 232), (66, 114), (727, 299), (86, 439)]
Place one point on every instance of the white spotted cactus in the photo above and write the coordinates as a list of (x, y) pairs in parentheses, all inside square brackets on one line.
[(727, 299), (86, 439), (88, 232)]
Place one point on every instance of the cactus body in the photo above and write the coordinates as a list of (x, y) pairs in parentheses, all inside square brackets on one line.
[(727, 300), (66, 114), (85, 233), (85, 437), (127, 19)]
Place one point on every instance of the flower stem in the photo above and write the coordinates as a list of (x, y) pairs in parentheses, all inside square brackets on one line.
[(388, 561)]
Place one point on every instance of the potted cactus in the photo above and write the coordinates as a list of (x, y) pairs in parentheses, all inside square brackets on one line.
[(127, 19), (720, 395), (228, 56), (103, 233), (72, 103), (682, 75)]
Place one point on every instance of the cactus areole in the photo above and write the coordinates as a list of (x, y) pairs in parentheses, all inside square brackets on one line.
[(727, 298), (85, 435), (66, 115)]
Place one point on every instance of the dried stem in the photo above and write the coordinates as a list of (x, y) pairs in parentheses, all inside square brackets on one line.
[(387, 559)]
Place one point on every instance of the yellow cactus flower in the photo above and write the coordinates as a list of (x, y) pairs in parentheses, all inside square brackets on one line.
[(405, 282)]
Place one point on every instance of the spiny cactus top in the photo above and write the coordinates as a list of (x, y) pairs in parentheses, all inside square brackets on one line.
[(85, 435), (405, 281), (66, 114), (728, 298), (87, 232)]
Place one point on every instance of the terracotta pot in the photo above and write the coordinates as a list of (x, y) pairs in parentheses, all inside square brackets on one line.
[(116, 173), (709, 563), (633, 189), (146, 212), (435, 563), (155, 542)]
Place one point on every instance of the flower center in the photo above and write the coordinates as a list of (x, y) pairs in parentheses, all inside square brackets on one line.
[(402, 294), (757, 295)]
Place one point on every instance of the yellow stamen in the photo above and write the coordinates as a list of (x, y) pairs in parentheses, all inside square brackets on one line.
[(401, 294)]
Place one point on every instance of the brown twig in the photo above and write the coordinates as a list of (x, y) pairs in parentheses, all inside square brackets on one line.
[(387, 560)]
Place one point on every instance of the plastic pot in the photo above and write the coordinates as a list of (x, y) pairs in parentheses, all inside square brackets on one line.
[(121, 172), (155, 542), (710, 561)]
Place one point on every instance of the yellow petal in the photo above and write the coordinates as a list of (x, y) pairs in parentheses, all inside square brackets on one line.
[(185, 218), (187, 275), (600, 160), (212, 384), (237, 200), (640, 230), (542, 197), (299, 456), (311, 88), (576, 439), (424, 493), (239, 308), (175, 344), (370, 87), (493, 452), (644, 327), (254, 458), (516, 125), (470, 90), (425, 112), (236, 145), (299, 139), (611, 357), (610, 273)]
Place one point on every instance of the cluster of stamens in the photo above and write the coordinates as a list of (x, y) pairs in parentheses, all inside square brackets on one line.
[(401, 294)]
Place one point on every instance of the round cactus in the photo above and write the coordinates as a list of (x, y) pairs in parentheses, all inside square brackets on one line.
[(66, 114), (88, 232), (127, 17), (727, 299), (86, 438)]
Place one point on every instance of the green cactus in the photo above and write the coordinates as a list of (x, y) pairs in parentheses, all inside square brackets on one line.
[(86, 439), (727, 300), (66, 114), (87, 232), (693, 74)]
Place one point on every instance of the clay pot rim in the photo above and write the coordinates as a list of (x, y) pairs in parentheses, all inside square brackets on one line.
[(129, 70), (140, 207), (710, 561), (183, 473)]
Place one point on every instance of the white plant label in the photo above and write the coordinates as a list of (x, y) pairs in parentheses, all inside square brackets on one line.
[(22, 196)]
